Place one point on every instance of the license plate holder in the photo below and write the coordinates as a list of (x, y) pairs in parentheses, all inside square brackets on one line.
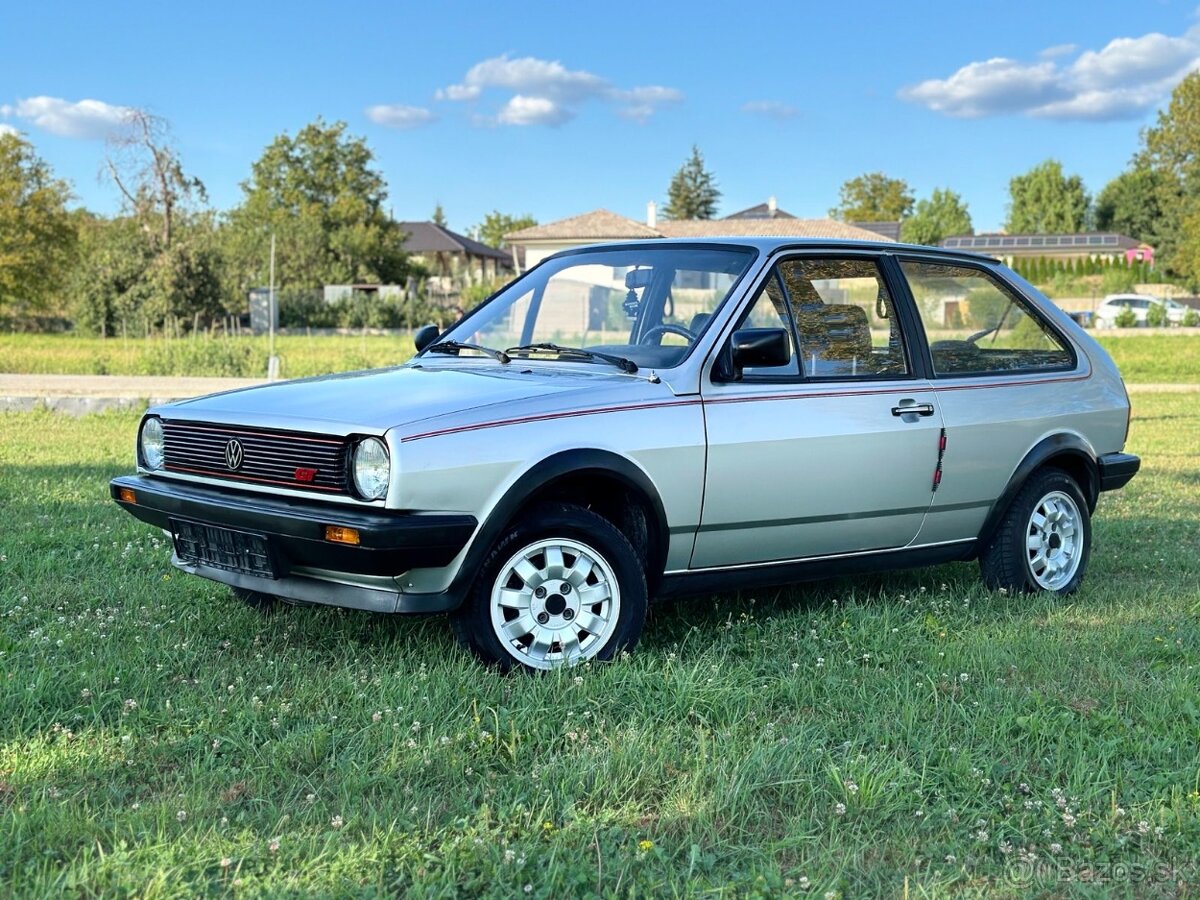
[(245, 552)]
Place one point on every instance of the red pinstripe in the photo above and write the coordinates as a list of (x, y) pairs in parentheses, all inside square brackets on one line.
[(760, 398)]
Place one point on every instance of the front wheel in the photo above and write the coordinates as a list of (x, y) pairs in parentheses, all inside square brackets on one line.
[(561, 586), (1044, 540)]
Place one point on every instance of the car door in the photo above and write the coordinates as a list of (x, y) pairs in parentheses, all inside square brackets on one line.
[(834, 452)]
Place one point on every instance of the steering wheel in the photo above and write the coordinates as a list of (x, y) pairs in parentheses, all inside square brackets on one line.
[(668, 329)]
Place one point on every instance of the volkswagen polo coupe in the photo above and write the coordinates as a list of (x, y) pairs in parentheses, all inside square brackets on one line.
[(637, 420)]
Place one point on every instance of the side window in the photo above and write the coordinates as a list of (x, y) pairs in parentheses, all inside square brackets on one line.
[(978, 326), (845, 319), (769, 310)]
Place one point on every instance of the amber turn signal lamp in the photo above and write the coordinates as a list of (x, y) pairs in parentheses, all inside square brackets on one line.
[(127, 495), (341, 535)]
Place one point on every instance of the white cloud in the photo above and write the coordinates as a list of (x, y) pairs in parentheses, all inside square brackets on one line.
[(988, 88), (1058, 50), (7, 129), (1125, 79), (530, 76), (458, 92), (772, 109), (640, 103), (522, 110), (81, 119), (545, 92), (399, 116)]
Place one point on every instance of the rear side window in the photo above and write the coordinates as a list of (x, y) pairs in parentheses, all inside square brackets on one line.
[(978, 326)]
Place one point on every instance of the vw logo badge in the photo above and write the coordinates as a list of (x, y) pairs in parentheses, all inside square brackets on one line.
[(234, 455)]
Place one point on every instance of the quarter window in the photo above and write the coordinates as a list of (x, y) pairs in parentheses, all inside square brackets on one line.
[(977, 326)]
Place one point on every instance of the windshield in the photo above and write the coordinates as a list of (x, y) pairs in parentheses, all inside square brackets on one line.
[(647, 304)]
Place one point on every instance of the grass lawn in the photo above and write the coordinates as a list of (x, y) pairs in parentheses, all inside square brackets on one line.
[(1143, 358), (863, 736)]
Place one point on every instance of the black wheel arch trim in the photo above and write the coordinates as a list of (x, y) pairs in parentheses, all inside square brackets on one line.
[(542, 475), (1057, 446)]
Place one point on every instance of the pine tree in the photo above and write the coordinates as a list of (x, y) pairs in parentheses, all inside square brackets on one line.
[(439, 216), (693, 192)]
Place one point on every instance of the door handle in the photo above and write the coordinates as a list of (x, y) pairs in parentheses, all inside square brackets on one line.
[(913, 409)]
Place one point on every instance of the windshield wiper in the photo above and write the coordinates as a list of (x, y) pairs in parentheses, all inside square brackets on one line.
[(454, 346), (625, 365)]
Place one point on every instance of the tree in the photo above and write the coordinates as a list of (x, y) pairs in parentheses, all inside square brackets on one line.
[(693, 192), (496, 225), (1045, 201), (37, 235), (942, 215), (1129, 203), (145, 166), (321, 196), (439, 216), (159, 260), (873, 197), (1171, 150)]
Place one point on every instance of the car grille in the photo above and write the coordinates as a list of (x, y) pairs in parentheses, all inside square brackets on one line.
[(306, 462)]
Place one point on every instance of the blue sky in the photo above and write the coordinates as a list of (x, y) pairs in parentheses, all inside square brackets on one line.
[(559, 108)]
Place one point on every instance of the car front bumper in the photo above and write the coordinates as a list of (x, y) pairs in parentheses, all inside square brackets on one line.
[(307, 566), (1117, 469)]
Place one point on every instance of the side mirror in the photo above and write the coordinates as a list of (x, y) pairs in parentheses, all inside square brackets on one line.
[(425, 336), (764, 347)]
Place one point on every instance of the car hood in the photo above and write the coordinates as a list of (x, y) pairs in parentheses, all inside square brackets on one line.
[(375, 401)]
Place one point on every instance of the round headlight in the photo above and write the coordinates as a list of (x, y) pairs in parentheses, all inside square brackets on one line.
[(372, 468), (150, 442)]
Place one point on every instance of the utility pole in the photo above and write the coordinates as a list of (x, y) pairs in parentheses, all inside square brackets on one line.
[(272, 312)]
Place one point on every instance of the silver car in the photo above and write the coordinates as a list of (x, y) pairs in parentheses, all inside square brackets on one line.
[(638, 420)]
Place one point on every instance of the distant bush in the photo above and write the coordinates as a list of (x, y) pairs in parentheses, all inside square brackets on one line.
[(1156, 315), (1118, 280), (1125, 318), (1191, 318), (309, 309)]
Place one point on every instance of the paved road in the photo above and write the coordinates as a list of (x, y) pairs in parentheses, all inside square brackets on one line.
[(79, 394)]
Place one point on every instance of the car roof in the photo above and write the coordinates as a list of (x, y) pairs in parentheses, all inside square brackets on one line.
[(769, 245)]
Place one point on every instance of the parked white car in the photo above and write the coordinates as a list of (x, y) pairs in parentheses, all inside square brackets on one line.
[(655, 418), (1139, 304)]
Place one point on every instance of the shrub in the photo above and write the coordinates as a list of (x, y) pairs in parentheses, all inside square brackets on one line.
[(1125, 318), (1191, 318), (1156, 315)]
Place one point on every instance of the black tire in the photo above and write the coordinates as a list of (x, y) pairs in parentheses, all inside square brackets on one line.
[(473, 622), (1005, 562)]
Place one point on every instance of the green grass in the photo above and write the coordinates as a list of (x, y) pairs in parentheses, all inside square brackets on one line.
[(862, 736), (243, 356), (1142, 358), (1154, 358)]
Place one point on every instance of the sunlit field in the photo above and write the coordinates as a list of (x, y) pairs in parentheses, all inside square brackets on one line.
[(864, 736), (1143, 358)]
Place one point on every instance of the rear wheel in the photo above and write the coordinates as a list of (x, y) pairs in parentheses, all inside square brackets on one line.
[(559, 587), (1044, 540)]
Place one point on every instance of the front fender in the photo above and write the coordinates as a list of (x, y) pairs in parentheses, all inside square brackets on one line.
[(571, 462)]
